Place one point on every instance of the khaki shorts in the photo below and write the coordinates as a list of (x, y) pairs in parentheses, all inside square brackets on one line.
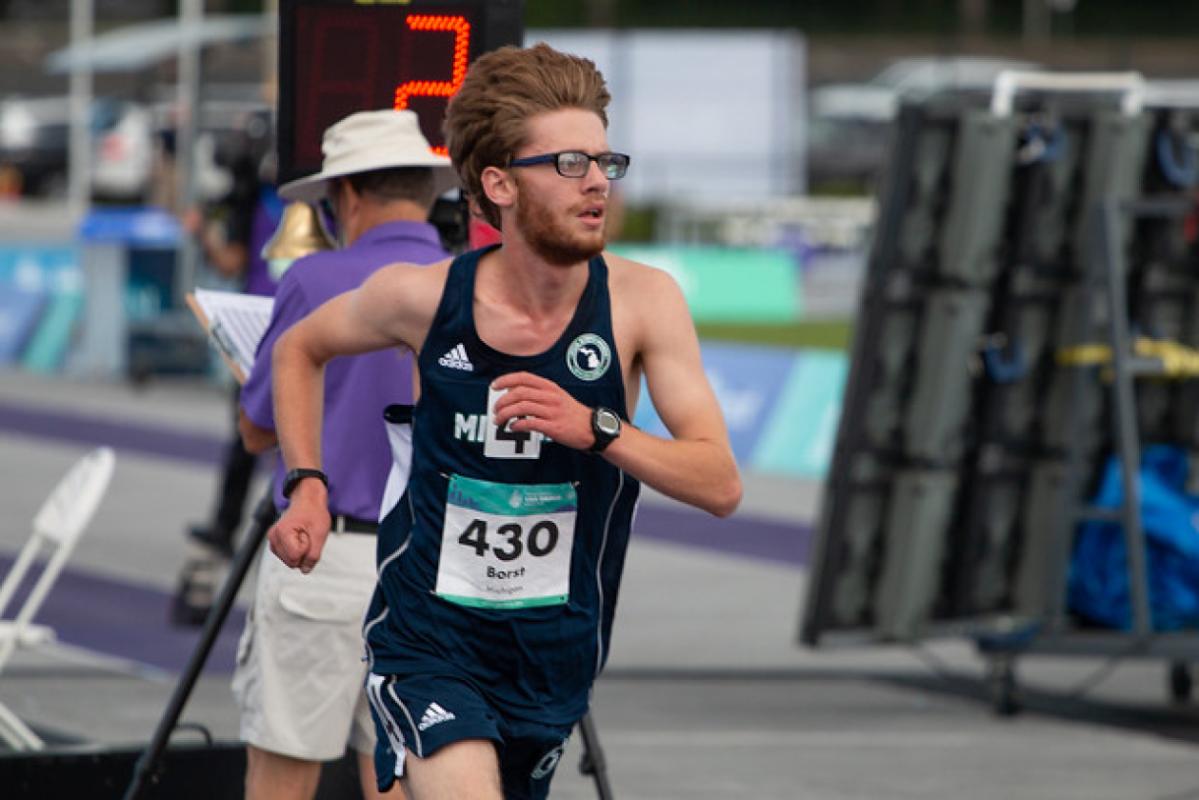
[(301, 669)]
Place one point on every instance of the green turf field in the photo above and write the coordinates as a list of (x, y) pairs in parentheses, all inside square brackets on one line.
[(830, 334)]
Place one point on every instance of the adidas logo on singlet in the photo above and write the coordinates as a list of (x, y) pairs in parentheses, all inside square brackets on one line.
[(457, 359), (433, 715)]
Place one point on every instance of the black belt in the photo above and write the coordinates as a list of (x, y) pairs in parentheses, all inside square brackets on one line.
[(344, 524)]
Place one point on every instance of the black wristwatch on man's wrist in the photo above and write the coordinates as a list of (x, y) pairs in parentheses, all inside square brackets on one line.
[(605, 424), (293, 478)]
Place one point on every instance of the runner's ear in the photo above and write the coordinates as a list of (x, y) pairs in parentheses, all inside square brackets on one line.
[(499, 186)]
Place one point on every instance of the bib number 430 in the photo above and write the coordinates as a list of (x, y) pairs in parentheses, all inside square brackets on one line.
[(506, 546), (539, 540)]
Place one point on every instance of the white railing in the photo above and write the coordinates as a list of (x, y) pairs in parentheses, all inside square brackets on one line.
[(1009, 82)]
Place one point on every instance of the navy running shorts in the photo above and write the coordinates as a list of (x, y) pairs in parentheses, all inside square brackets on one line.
[(424, 713)]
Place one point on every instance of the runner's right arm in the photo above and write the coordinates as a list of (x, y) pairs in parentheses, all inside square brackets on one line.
[(394, 307)]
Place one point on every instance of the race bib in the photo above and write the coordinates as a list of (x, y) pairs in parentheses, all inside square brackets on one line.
[(506, 545)]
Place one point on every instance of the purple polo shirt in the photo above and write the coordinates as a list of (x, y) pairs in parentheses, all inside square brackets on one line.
[(268, 211), (354, 448)]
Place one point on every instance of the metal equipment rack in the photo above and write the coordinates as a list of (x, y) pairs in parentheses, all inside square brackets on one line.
[(995, 322), (1056, 634)]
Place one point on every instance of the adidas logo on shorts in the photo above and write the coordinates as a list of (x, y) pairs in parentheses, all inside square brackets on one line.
[(433, 715), (457, 359)]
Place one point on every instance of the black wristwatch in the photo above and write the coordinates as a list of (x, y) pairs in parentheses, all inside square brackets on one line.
[(293, 478), (605, 424)]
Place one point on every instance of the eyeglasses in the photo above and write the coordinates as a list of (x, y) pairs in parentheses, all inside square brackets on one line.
[(327, 211), (575, 163)]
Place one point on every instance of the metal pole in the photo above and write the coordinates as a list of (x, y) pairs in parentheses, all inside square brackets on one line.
[(1107, 227), (191, 15), (593, 762), (147, 765), (270, 55), (79, 163)]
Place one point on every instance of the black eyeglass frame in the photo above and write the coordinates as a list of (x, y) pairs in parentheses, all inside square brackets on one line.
[(622, 162)]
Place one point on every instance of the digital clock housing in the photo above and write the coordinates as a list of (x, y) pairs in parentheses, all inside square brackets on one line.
[(341, 56)]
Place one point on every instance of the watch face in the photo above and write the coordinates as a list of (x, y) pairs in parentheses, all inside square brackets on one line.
[(607, 422)]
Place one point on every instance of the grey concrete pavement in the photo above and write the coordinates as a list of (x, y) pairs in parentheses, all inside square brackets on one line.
[(707, 694)]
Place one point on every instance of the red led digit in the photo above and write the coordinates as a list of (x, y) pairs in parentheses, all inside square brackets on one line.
[(442, 24)]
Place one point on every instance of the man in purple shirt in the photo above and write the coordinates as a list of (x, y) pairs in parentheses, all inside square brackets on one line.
[(300, 673)]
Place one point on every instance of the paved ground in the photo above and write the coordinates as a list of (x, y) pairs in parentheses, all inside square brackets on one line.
[(707, 694)]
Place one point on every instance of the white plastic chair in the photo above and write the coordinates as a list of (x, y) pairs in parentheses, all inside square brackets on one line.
[(57, 526)]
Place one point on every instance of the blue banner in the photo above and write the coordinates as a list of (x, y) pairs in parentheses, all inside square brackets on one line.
[(41, 292), (134, 226), (781, 406)]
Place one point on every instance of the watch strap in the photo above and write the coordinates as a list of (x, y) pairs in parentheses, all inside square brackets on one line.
[(293, 478), (602, 437)]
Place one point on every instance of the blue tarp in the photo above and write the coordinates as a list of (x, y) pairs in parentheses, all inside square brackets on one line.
[(1098, 579)]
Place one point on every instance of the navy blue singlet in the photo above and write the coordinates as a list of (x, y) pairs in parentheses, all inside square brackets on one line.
[(501, 563)]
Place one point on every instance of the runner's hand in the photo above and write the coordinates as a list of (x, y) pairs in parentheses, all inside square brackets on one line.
[(538, 404), (298, 538)]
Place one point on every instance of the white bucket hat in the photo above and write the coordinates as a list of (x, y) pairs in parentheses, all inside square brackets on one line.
[(370, 140)]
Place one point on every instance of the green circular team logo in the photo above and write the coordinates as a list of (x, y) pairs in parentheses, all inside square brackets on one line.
[(588, 357)]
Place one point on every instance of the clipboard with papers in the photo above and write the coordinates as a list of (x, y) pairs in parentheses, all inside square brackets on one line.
[(235, 323)]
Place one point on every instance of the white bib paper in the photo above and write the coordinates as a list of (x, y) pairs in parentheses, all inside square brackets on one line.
[(506, 545), (502, 443)]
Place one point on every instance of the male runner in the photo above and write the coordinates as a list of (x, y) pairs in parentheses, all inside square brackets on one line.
[(498, 570)]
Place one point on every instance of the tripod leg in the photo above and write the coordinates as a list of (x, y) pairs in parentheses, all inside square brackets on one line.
[(147, 764), (593, 762)]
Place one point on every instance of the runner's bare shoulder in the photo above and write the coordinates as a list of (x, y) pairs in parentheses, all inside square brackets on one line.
[(638, 283), (410, 285), (406, 295)]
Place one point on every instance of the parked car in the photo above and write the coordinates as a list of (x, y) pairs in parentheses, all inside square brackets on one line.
[(125, 137), (123, 151), (35, 142)]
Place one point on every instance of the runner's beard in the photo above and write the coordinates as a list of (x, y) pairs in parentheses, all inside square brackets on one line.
[(550, 238)]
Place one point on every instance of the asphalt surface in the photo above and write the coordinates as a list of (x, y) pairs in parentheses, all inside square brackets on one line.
[(707, 693)]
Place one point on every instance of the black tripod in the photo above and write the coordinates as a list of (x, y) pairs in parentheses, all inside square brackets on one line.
[(146, 769), (593, 762)]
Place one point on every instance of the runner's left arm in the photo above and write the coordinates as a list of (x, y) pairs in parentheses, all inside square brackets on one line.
[(696, 465)]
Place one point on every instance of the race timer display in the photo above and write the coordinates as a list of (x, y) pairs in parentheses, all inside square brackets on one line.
[(341, 56)]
